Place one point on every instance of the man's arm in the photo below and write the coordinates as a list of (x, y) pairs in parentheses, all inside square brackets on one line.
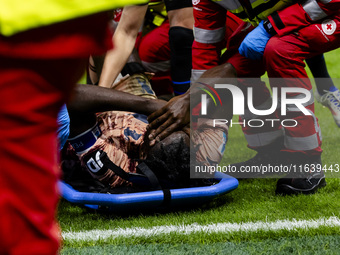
[(175, 115), (89, 100), (93, 99), (124, 40)]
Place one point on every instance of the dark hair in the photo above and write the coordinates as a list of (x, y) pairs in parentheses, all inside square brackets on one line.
[(171, 165)]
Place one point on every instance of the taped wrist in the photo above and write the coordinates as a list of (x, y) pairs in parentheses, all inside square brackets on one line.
[(83, 142), (180, 40), (132, 68)]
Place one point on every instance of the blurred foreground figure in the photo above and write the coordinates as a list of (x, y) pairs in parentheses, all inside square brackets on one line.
[(33, 52)]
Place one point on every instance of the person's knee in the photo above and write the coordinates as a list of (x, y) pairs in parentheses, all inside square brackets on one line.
[(229, 70), (283, 57), (275, 48)]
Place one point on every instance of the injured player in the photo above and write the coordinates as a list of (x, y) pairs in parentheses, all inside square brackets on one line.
[(104, 145)]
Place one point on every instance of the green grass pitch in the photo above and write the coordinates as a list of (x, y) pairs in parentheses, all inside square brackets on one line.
[(253, 201)]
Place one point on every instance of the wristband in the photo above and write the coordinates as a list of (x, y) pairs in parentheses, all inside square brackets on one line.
[(269, 27), (83, 142)]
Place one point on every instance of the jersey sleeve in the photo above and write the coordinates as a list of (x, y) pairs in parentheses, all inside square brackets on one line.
[(302, 14)]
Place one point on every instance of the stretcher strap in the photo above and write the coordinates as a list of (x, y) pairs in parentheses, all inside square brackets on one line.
[(142, 167), (154, 182), (118, 171), (151, 176)]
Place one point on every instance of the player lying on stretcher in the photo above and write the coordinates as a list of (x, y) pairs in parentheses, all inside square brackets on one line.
[(100, 139)]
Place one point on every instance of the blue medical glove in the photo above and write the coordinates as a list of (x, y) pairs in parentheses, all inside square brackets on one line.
[(255, 42)]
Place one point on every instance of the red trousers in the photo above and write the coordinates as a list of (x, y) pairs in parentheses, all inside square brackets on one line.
[(154, 52), (284, 58), (31, 98), (32, 90)]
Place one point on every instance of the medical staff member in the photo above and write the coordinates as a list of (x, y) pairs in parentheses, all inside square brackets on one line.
[(286, 33), (39, 40)]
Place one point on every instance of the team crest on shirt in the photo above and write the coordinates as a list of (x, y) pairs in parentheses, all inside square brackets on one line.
[(195, 2), (328, 26)]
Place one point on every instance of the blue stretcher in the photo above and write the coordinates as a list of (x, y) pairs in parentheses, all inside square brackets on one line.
[(150, 199)]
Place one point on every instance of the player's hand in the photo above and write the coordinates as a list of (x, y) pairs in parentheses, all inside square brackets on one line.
[(174, 116), (255, 42)]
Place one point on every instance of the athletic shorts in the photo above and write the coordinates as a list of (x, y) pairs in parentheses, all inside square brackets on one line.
[(137, 84), (32, 92), (121, 139)]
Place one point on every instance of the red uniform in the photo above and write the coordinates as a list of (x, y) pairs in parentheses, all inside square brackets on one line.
[(303, 31), (32, 92), (154, 51)]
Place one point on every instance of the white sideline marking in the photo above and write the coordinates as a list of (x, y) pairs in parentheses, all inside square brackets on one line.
[(290, 225)]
